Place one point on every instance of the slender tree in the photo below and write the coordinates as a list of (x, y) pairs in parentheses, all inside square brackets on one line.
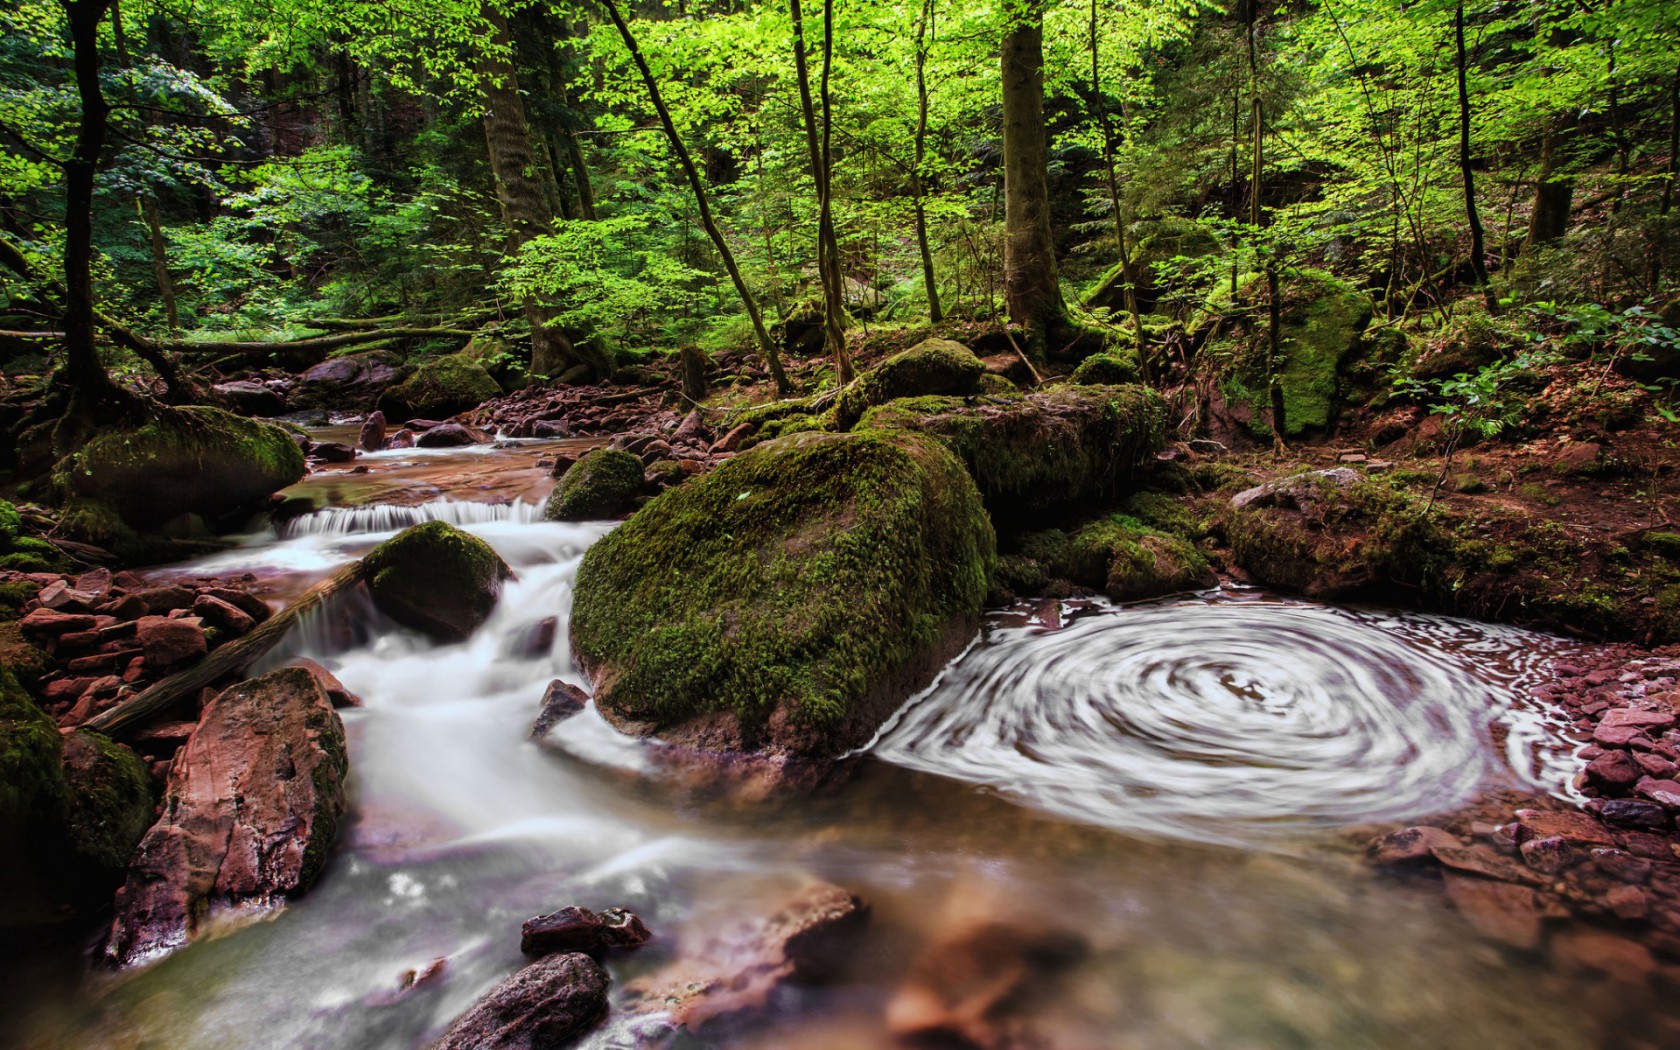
[(918, 186), (1031, 288), (1257, 219), (1128, 279), (818, 148), (1478, 250), (702, 205)]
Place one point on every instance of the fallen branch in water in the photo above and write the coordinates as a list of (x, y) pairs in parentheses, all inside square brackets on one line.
[(231, 659)]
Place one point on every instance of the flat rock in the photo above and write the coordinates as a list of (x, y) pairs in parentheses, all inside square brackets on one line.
[(1411, 844), (49, 623), (575, 929), (543, 1006), (253, 804), (1572, 827), (1633, 716), (168, 641), (1634, 812), (1613, 770), (1479, 860), (1497, 910), (450, 435)]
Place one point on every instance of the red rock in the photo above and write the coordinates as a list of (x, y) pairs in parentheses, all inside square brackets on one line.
[(1619, 736), (561, 700), (62, 690), (1633, 812), (253, 805), (1663, 792), (372, 436), (101, 661), (1628, 902), (1549, 855), (1410, 844), (1574, 827), (223, 615), (1621, 865), (46, 623), (161, 600), (1656, 766), (1603, 952), (1480, 860), (731, 441), (61, 597), (169, 641), (246, 602), (1615, 770), (544, 1006), (76, 642), (1498, 910), (1632, 716), (575, 929)]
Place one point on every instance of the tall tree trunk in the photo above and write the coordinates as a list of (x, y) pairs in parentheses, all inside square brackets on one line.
[(86, 376), (1128, 280), (918, 186), (147, 206), (1257, 218), (1660, 243), (1478, 250), (816, 145), (1031, 289), (574, 152), (1553, 198), (525, 204), (702, 204)]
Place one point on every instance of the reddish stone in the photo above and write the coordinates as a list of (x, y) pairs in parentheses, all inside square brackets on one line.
[(1619, 736), (1663, 792), (575, 929), (1411, 844), (1605, 953), (1549, 855), (161, 600), (223, 615), (1627, 902), (1614, 770), (1656, 765), (246, 602), (1498, 910), (1621, 865), (1633, 812), (1632, 716), (46, 623), (732, 440), (169, 641), (1480, 860)]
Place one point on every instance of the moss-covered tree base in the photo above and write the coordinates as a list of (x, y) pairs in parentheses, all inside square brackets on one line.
[(787, 602)]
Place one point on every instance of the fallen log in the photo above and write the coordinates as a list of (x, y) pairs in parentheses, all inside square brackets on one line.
[(231, 659), (319, 342)]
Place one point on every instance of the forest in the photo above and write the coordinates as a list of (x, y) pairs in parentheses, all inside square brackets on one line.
[(1035, 524)]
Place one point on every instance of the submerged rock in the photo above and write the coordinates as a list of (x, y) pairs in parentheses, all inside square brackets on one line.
[(788, 601), (435, 578), (253, 805), (440, 388), (603, 484), (184, 460), (543, 1006)]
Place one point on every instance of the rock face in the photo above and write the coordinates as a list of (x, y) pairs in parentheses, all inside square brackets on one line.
[(185, 460), (1039, 451), (440, 388), (542, 1007), (252, 807), (435, 578), (603, 484), (932, 366), (788, 601), (725, 974), (350, 383)]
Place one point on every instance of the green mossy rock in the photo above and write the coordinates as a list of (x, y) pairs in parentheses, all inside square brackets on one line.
[(1322, 318), (193, 460), (440, 388), (32, 805), (932, 366), (1129, 561), (11, 523), (435, 578), (602, 484), (790, 600), (1043, 450), (110, 807), (24, 553), (1106, 370)]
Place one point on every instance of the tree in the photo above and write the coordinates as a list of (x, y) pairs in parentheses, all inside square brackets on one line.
[(818, 146), (1032, 290), (1478, 250)]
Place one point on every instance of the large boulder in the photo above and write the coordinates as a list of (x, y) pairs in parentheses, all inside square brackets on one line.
[(440, 388), (544, 1006), (250, 398), (110, 808), (253, 805), (1038, 451), (193, 460), (437, 579), (1130, 561), (603, 484), (789, 600), (351, 383), (32, 804), (932, 366)]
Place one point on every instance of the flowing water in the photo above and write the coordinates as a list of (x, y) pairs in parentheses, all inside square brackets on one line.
[(1176, 782)]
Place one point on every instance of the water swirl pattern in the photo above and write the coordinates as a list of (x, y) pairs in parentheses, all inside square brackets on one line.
[(1237, 721)]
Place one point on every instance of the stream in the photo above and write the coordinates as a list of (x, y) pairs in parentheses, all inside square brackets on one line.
[(1182, 782)]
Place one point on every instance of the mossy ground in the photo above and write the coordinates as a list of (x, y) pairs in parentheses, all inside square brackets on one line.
[(797, 576), (604, 483)]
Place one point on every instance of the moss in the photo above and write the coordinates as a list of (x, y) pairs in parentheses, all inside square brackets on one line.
[(798, 423), (183, 460), (1106, 370), (25, 660), (804, 577), (440, 388), (992, 383), (1038, 451), (11, 523), (110, 808), (1130, 561), (664, 473), (1665, 544), (932, 366), (14, 595), (602, 484), (32, 797), (435, 578)]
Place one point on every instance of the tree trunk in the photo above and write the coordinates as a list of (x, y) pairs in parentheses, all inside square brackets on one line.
[(702, 204), (917, 186), (524, 204), (1257, 218), (574, 152), (1128, 280), (1553, 199), (1030, 286), (1478, 250), (147, 205), (82, 368), (816, 146), (1660, 243), (835, 304)]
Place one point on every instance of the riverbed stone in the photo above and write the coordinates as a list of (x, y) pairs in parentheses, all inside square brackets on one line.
[(561, 700), (1410, 845), (168, 641), (604, 483), (577, 929), (253, 804), (787, 602), (1501, 911), (543, 1006), (436, 578)]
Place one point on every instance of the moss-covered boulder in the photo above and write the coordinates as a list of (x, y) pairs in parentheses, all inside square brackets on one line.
[(1106, 369), (932, 366), (32, 805), (603, 484), (1130, 561), (435, 578), (21, 552), (791, 599), (1043, 450), (440, 388), (194, 460), (110, 807)]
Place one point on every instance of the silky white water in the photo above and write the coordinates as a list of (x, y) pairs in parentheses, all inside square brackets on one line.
[(1166, 780)]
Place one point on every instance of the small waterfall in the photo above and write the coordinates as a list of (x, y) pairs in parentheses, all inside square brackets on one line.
[(383, 517)]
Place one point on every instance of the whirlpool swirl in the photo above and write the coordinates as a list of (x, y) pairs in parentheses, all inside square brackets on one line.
[(1234, 721)]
